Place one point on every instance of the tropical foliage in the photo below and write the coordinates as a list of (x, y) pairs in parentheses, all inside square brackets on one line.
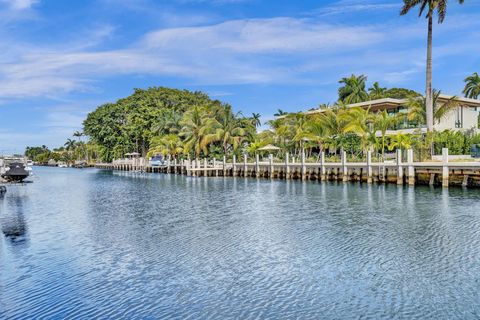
[(472, 86), (353, 89), (417, 108), (147, 121), (181, 124)]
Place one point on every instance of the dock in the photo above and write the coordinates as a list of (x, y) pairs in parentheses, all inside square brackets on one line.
[(442, 173)]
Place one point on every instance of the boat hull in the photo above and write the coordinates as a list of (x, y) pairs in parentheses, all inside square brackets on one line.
[(16, 172)]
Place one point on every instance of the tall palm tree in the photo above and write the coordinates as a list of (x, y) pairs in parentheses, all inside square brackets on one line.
[(353, 89), (376, 92), (79, 135), (256, 120), (280, 113), (431, 6), (472, 86), (70, 144)]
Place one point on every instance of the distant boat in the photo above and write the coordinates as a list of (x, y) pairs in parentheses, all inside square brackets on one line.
[(62, 165)]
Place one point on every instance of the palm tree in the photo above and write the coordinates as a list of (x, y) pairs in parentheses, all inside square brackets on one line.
[(168, 122), (472, 86), (225, 128), (384, 121), (193, 130), (70, 144), (169, 144), (256, 120), (79, 135), (417, 108), (315, 130), (376, 92), (431, 5), (280, 113), (334, 124), (360, 122), (400, 141), (353, 89)]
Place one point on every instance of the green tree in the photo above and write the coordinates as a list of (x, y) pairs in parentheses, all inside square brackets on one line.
[(376, 92), (400, 93), (417, 108), (195, 129), (256, 120), (472, 86), (359, 121), (400, 141), (130, 123), (440, 6), (280, 113), (384, 121), (225, 128), (169, 144), (353, 89)]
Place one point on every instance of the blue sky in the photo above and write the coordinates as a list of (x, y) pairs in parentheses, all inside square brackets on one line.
[(60, 59)]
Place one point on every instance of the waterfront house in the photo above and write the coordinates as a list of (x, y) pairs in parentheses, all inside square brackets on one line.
[(464, 117)]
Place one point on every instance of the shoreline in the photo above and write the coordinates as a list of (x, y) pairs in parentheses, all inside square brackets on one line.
[(442, 173)]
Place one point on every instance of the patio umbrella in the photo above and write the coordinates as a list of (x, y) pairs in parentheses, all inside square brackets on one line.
[(269, 147)]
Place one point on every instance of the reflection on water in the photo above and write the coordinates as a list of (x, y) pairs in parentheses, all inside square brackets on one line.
[(128, 245), (13, 224)]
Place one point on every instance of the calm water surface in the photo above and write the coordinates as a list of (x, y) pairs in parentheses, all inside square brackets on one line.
[(96, 244)]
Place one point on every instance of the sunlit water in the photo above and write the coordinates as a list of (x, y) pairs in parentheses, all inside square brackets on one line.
[(96, 244)]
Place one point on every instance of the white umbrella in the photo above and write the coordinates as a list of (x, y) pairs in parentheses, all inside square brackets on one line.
[(269, 147)]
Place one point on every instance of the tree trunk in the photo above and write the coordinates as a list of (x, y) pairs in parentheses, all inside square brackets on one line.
[(428, 93)]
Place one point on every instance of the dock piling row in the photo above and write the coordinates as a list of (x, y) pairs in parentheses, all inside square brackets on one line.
[(444, 173)]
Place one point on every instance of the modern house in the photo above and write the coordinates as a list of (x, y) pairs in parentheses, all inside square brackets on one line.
[(464, 117)]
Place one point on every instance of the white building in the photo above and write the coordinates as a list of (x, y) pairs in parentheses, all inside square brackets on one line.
[(464, 117)]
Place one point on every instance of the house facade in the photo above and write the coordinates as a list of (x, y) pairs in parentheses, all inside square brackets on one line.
[(464, 117)]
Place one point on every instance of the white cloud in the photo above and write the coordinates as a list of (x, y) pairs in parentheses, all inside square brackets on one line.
[(273, 50), (224, 53), (352, 6), (20, 4), (267, 35)]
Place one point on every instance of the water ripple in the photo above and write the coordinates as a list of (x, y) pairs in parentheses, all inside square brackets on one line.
[(85, 244)]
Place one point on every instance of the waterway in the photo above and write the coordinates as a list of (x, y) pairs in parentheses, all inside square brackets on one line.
[(84, 244)]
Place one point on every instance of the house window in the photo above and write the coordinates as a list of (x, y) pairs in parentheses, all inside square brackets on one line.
[(459, 117)]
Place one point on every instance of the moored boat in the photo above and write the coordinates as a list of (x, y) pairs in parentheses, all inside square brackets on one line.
[(13, 169)]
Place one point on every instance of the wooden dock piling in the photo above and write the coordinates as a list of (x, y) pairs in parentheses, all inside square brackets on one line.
[(442, 172)]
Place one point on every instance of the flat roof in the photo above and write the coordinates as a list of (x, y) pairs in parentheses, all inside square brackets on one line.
[(391, 102)]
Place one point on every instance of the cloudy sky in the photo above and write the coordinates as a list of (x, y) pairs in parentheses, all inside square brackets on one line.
[(60, 59)]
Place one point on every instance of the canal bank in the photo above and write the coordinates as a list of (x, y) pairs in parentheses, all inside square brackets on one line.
[(402, 170)]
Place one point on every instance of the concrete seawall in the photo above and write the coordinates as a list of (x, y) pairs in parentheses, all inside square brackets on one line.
[(443, 173)]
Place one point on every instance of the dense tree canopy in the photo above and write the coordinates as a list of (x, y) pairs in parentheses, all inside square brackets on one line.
[(132, 123), (180, 123)]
